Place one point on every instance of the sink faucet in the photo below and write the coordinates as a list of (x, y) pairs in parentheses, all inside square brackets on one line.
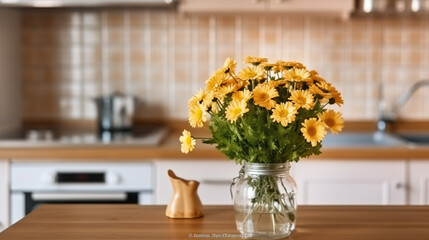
[(385, 117)]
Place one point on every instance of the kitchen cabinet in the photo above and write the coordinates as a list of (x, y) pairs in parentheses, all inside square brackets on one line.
[(4, 194), (10, 77), (419, 182), (327, 7), (215, 178), (336, 182)]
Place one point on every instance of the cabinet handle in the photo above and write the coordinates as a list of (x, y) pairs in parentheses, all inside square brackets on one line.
[(400, 185), (216, 182)]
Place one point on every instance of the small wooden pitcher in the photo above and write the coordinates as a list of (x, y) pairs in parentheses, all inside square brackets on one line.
[(185, 202)]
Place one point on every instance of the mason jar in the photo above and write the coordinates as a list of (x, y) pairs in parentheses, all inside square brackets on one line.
[(264, 197)]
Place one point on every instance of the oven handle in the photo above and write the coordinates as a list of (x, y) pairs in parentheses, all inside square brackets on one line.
[(78, 196)]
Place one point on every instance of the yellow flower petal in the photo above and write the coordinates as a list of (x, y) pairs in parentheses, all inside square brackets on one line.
[(284, 113), (263, 95), (313, 131), (296, 75), (302, 99), (235, 110), (197, 115), (332, 120), (188, 143)]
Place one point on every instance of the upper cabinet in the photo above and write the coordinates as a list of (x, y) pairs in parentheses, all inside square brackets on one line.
[(223, 6), (338, 8)]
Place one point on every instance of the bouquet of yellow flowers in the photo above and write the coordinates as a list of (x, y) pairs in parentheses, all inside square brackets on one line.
[(265, 113)]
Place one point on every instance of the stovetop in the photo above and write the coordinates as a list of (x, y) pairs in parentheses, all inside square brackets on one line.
[(139, 136)]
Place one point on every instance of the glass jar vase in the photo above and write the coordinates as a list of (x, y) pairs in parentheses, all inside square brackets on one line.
[(264, 198)]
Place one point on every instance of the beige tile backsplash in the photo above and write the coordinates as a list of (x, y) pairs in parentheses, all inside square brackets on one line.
[(70, 56)]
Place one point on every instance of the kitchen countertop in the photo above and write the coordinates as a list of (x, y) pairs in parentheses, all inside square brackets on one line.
[(81, 148), (149, 222)]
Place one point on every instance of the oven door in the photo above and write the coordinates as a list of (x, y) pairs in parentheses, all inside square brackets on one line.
[(34, 199), (22, 203)]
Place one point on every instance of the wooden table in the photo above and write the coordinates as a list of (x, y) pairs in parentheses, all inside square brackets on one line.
[(148, 222)]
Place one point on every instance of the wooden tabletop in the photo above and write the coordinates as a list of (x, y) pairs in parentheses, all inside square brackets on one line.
[(149, 222)]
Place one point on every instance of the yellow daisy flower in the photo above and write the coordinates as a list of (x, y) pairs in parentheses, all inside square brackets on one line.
[(335, 97), (202, 97), (235, 110), (249, 73), (267, 66), (313, 131), (315, 90), (276, 83), (323, 85), (188, 143), (223, 91), (297, 75), (332, 120), (255, 60), (216, 80), (214, 107), (197, 98), (229, 65), (284, 113), (303, 99), (263, 95), (314, 73), (288, 65), (197, 115), (318, 79), (244, 95)]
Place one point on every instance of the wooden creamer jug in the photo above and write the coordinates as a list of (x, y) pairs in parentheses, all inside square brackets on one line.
[(185, 202)]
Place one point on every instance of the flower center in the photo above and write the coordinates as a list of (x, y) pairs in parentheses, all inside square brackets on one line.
[(301, 100), (311, 131), (329, 122), (264, 97), (188, 141), (236, 111), (283, 113), (199, 114)]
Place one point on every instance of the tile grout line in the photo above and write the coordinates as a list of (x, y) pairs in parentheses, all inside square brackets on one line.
[(212, 44), (193, 36), (82, 66), (104, 55), (170, 62), (262, 50), (369, 85), (238, 38), (126, 48), (147, 53)]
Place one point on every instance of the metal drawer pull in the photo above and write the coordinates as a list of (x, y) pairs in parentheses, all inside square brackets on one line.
[(216, 182), (78, 196)]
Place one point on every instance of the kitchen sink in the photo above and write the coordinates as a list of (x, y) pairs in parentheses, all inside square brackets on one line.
[(415, 138), (367, 139)]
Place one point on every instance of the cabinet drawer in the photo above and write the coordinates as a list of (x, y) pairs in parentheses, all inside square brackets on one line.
[(215, 178)]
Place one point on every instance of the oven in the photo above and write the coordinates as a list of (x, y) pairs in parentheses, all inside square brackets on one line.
[(37, 183)]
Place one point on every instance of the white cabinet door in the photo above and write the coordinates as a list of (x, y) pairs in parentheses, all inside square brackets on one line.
[(344, 182), (419, 182), (337, 7), (215, 178), (223, 6), (4, 194)]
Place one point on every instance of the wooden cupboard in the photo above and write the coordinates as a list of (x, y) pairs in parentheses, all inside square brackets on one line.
[(345, 182), (320, 182), (341, 8)]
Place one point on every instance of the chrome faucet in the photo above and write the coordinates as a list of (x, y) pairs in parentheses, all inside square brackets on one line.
[(385, 117)]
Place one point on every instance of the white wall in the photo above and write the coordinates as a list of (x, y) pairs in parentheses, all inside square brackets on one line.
[(10, 71)]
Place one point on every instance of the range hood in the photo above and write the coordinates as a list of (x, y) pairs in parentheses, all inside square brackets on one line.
[(391, 8), (85, 3)]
